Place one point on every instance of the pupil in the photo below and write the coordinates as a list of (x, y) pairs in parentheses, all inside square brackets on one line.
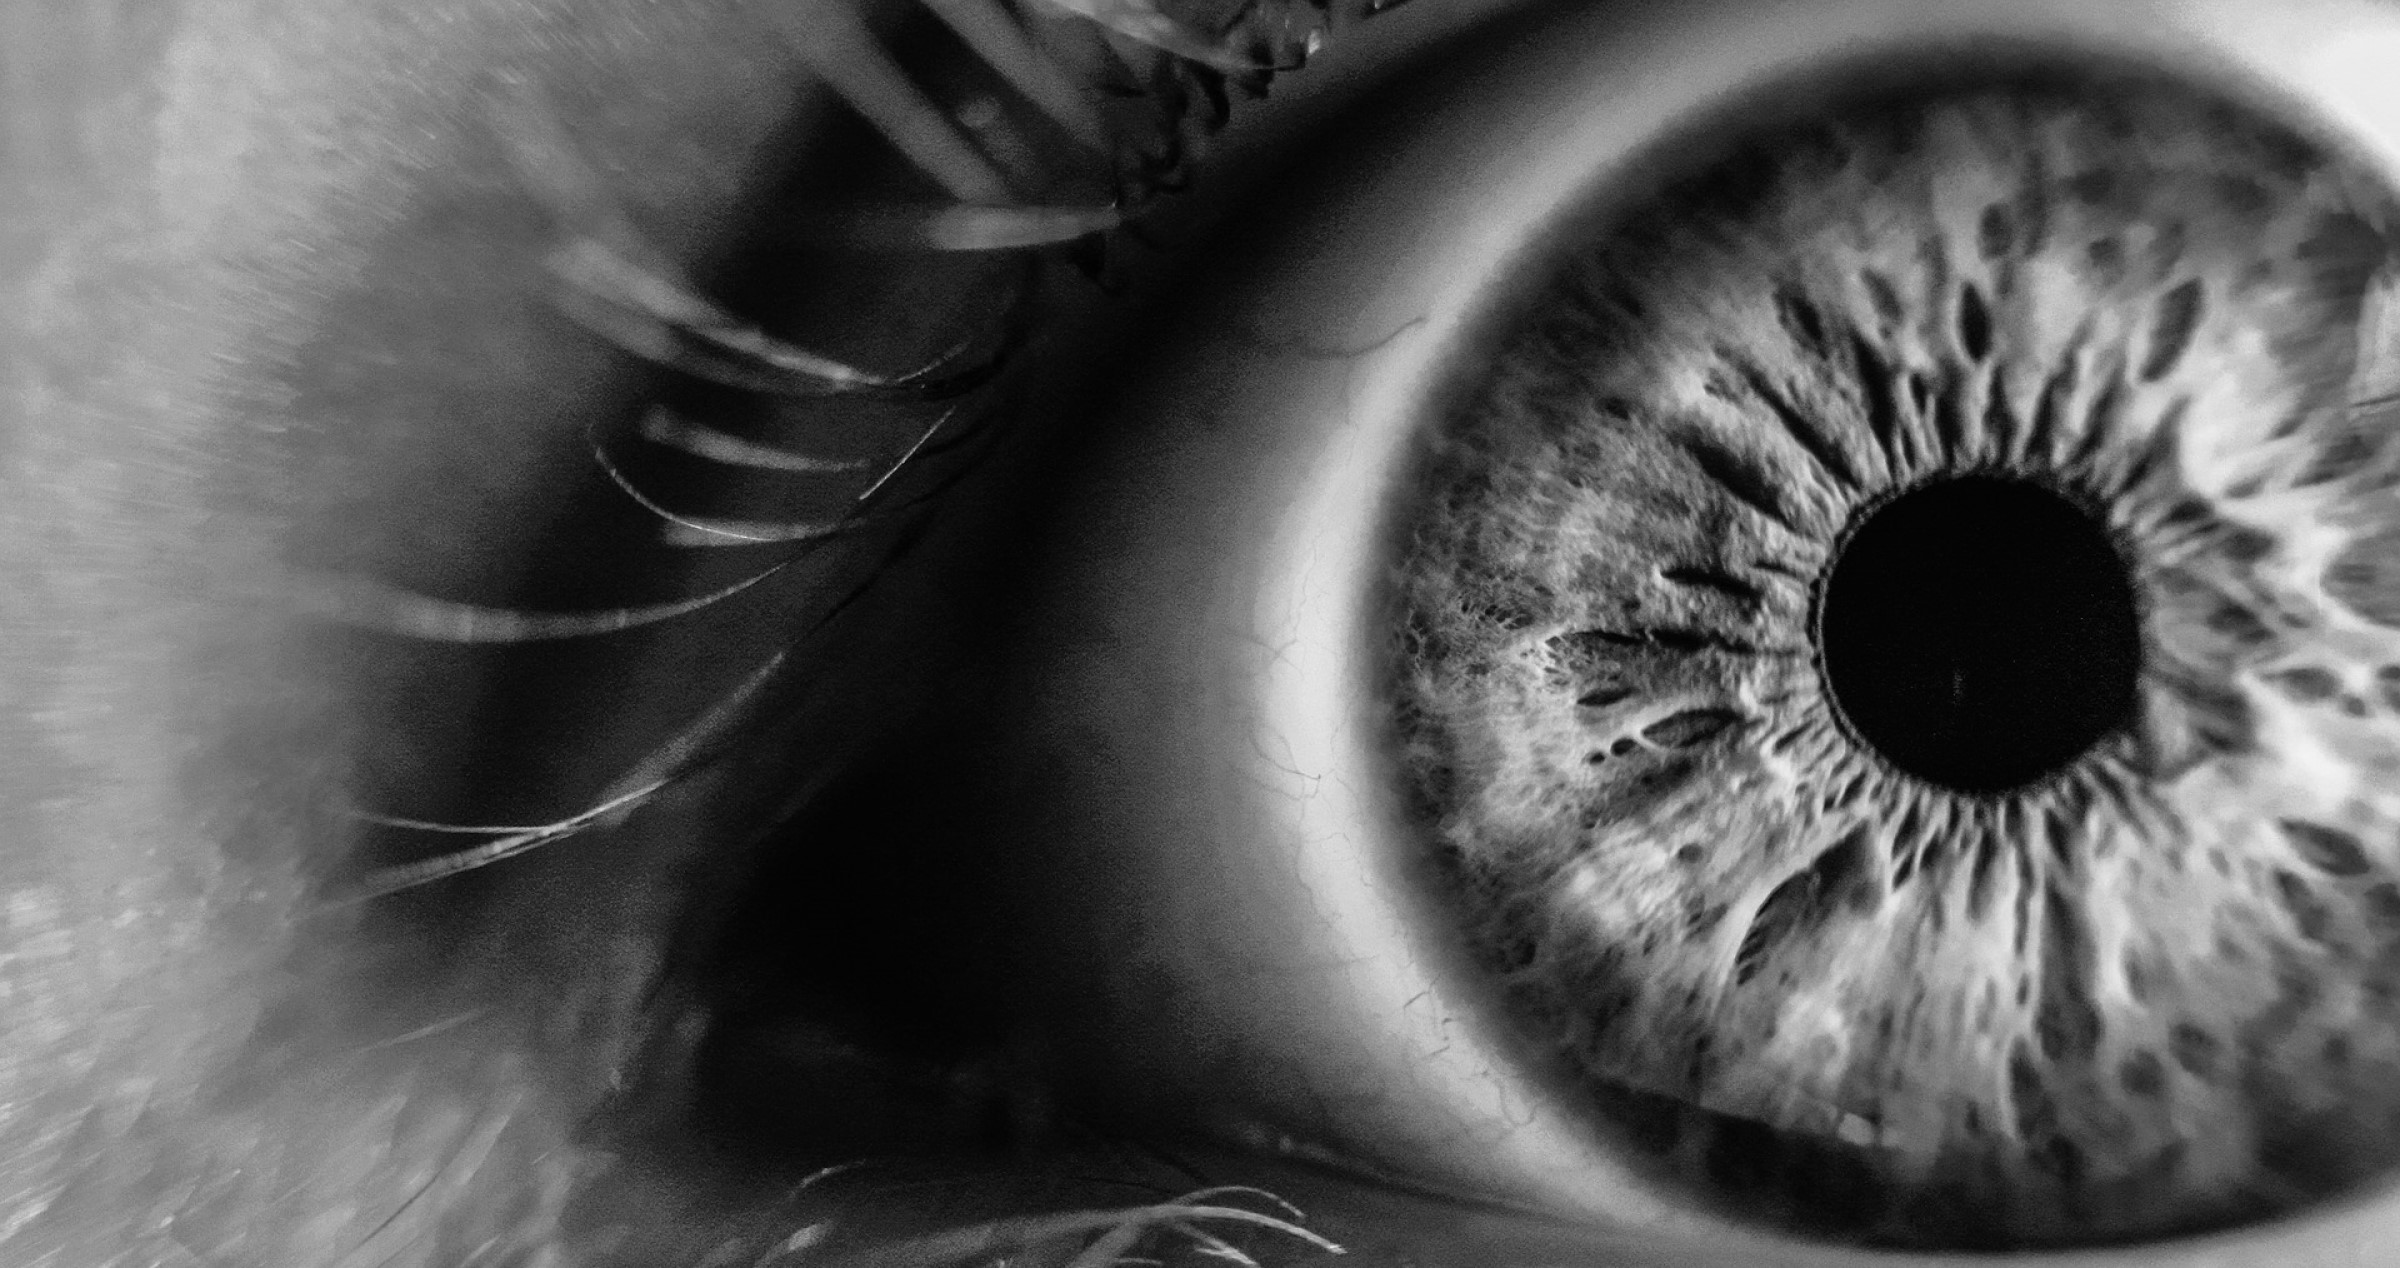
[(1980, 632)]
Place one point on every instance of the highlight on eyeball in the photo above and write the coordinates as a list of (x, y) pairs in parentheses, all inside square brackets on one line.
[(1076, 633)]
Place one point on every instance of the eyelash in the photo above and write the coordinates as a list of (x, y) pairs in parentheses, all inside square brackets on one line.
[(627, 292)]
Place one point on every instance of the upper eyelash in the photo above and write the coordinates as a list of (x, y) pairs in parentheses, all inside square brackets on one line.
[(609, 278)]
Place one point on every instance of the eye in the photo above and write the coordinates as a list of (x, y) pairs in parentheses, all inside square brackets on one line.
[(1097, 764), (1593, 636), (1970, 677)]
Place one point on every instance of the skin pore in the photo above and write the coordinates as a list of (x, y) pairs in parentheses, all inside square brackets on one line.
[(274, 315)]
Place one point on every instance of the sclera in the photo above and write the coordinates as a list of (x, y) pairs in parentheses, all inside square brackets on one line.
[(1201, 758)]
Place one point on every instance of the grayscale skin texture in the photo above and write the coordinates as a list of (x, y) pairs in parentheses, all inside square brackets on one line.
[(268, 312), (267, 307), (277, 316), (274, 313)]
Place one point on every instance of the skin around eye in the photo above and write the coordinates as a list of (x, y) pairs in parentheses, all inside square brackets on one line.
[(1206, 764), (282, 318), (269, 304)]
